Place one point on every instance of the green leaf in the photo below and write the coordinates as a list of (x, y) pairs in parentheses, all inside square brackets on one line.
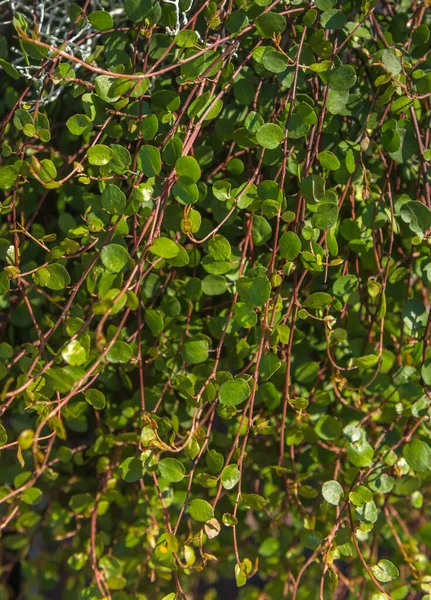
[(243, 571), (131, 470), (172, 470), (269, 364), (149, 127), (195, 352), (391, 140), (99, 155), (337, 100), (332, 492), (188, 170), (137, 10), (214, 461), (391, 61), (332, 19), (164, 247), (101, 20), (426, 372), (214, 285), (312, 188), (201, 510), (79, 124), (186, 38), (418, 456), (415, 315), (270, 24), (114, 257), (121, 159), (328, 428), (185, 194), (9, 69), (275, 61), (3, 435), (385, 571), (81, 503), (230, 477), (360, 453), (31, 496), (219, 247), (119, 352), (234, 392), (154, 320), (328, 160), (253, 501), (269, 135), (360, 495), (260, 290), (149, 161), (417, 215), (290, 245), (8, 177), (326, 215), (95, 398), (342, 78), (325, 4), (55, 277), (366, 362), (318, 300), (74, 353), (113, 199)]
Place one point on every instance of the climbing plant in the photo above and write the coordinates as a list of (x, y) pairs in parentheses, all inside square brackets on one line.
[(215, 270)]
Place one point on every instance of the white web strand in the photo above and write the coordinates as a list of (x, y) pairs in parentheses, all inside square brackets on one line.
[(52, 17)]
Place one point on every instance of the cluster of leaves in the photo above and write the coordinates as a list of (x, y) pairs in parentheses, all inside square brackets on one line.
[(216, 263)]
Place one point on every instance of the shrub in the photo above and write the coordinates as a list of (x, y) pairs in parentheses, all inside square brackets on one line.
[(215, 290)]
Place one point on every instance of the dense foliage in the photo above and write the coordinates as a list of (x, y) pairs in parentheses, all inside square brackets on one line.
[(216, 264)]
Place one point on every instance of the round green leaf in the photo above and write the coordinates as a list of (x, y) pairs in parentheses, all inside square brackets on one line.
[(325, 216), (95, 398), (113, 199), (234, 392), (332, 492), (149, 161), (79, 124), (188, 170), (172, 470), (418, 456), (260, 290), (201, 510), (318, 300), (99, 155), (270, 23), (328, 160), (195, 351), (214, 285), (119, 352), (114, 257), (275, 61), (55, 277), (342, 78), (164, 247), (74, 354), (290, 245), (101, 20), (269, 135), (230, 477), (385, 571), (332, 19), (185, 193)]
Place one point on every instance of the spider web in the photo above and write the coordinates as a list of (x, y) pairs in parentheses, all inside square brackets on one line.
[(52, 17)]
